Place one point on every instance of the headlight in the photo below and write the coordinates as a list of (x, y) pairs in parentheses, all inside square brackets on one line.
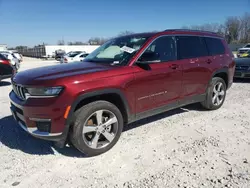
[(50, 91)]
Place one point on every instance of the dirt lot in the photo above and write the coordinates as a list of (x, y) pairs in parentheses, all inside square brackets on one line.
[(187, 147)]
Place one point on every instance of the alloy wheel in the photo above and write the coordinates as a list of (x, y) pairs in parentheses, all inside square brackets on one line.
[(218, 94), (100, 129)]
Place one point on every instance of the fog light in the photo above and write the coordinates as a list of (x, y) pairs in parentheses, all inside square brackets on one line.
[(43, 126)]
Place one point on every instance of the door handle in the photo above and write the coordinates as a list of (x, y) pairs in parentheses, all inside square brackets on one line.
[(209, 61), (174, 66)]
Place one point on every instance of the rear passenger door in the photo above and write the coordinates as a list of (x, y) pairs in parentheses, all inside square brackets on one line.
[(193, 54)]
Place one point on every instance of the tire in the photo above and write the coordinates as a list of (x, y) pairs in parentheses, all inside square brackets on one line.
[(88, 114), (209, 103)]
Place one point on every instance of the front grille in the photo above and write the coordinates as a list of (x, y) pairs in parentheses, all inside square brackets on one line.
[(19, 91), (238, 67)]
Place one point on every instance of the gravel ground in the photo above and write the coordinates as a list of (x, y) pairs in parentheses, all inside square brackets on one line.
[(187, 147)]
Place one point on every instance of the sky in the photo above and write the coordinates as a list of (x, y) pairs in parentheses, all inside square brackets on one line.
[(32, 22)]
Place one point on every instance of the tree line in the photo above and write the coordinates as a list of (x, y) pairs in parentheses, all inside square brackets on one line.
[(235, 29), (92, 40)]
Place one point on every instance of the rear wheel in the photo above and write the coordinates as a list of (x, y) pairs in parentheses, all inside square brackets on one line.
[(215, 95), (97, 128)]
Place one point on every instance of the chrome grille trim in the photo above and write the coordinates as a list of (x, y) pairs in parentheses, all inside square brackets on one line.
[(19, 91)]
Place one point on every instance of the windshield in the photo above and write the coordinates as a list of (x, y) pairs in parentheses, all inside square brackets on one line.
[(117, 51), (247, 46)]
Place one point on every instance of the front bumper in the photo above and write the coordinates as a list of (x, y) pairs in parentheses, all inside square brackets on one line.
[(33, 113)]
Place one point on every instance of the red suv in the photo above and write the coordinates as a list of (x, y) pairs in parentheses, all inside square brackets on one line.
[(126, 79)]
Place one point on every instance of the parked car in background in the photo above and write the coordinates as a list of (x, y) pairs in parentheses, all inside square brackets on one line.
[(246, 54), (243, 50), (242, 69), (12, 58), (73, 57), (126, 79), (17, 55), (6, 69), (59, 54)]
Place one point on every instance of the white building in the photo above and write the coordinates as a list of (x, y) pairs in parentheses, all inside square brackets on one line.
[(45, 51), (3, 47)]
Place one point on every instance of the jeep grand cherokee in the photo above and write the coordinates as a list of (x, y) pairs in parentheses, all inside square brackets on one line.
[(126, 79)]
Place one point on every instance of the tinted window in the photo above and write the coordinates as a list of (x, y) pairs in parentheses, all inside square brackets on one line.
[(162, 49), (247, 46), (73, 54), (191, 47), (215, 46), (2, 57), (83, 55)]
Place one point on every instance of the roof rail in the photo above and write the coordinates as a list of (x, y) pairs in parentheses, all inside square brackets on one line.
[(191, 30)]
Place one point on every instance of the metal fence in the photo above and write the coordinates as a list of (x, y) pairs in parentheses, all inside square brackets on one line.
[(38, 52)]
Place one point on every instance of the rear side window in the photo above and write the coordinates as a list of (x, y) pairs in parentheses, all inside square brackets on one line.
[(215, 46), (191, 47)]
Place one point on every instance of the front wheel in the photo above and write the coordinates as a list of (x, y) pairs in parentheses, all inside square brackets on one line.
[(97, 128), (216, 94)]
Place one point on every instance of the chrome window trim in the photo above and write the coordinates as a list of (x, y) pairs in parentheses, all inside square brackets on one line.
[(175, 35)]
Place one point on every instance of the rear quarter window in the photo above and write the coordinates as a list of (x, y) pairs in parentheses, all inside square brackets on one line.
[(191, 47), (215, 46)]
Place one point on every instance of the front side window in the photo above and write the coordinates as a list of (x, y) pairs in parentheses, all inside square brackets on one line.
[(163, 49), (117, 51), (191, 47)]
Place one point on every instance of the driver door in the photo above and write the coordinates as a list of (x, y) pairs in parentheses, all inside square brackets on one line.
[(158, 76)]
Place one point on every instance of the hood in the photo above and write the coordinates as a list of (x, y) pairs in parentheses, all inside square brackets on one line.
[(58, 71), (242, 61)]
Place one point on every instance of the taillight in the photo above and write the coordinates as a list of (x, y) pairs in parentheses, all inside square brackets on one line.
[(6, 62)]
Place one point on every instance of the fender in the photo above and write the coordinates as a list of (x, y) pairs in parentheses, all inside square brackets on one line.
[(96, 93), (222, 70)]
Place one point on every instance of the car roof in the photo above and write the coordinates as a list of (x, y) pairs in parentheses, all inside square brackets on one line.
[(174, 31)]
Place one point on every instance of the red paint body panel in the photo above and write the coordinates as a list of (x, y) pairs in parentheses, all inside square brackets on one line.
[(143, 89)]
